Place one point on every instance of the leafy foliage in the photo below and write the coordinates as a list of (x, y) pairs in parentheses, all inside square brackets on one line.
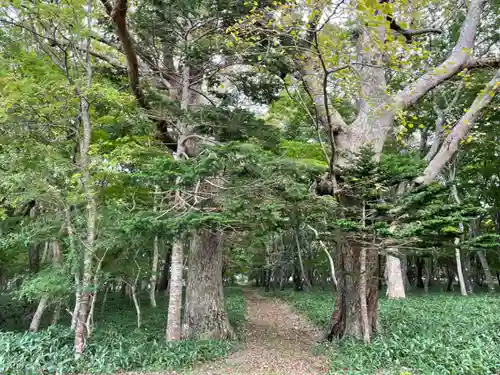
[(454, 336), (118, 345)]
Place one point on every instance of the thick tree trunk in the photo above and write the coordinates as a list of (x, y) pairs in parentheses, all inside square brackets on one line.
[(37, 317), (487, 271), (394, 276), (205, 314), (173, 331), (349, 318)]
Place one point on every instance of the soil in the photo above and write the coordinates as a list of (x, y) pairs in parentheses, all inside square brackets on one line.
[(278, 341)]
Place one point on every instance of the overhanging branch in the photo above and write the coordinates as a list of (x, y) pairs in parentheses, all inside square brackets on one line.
[(458, 133)]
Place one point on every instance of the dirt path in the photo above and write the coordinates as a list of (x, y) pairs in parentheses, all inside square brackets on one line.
[(278, 342)]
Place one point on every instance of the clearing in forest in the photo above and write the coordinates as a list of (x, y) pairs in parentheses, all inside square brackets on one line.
[(278, 342)]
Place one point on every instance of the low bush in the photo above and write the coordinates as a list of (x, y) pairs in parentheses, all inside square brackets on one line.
[(424, 335), (116, 344)]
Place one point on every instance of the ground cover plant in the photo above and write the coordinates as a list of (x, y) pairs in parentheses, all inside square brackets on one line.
[(118, 344), (429, 335)]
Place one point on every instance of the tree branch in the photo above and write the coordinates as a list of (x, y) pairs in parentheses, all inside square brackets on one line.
[(451, 143), (118, 14), (455, 63), (485, 62)]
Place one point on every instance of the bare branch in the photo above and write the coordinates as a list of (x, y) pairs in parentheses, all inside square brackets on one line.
[(485, 62), (451, 143), (455, 63)]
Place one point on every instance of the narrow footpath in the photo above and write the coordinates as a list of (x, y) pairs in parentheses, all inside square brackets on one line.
[(278, 342)]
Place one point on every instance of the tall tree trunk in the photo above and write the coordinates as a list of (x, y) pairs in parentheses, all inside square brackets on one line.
[(42, 305), (394, 276), (34, 258), (404, 271), (461, 281), (173, 331), (86, 283), (154, 271), (451, 278), (427, 269), (154, 261), (469, 285), (165, 274), (57, 313), (348, 317), (205, 314), (419, 282), (487, 271), (37, 317), (88, 192), (301, 263)]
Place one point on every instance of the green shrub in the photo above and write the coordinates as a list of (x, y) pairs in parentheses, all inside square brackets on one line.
[(428, 335), (116, 344)]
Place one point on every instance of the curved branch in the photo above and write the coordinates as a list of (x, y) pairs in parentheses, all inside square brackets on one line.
[(452, 141), (454, 64)]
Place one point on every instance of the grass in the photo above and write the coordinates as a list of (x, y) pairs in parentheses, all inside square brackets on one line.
[(437, 334), (116, 344)]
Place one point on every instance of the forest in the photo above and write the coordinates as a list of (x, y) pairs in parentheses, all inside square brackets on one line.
[(250, 187)]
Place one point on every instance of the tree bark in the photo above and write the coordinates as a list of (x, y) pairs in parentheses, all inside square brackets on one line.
[(347, 318), (301, 263), (328, 255), (451, 278), (154, 271), (467, 270), (419, 282), (461, 281), (487, 271), (205, 314), (394, 276), (460, 130), (37, 317), (427, 272), (57, 313), (173, 331), (165, 275)]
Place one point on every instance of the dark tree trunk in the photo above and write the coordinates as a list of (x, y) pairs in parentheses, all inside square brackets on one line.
[(165, 274), (419, 282), (267, 278), (205, 314), (467, 268), (34, 258), (380, 271), (410, 271), (451, 279), (347, 319), (297, 279)]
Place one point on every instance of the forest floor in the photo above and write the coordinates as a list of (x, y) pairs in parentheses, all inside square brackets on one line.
[(278, 341)]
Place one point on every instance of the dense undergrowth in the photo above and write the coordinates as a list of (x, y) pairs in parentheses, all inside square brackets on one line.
[(423, 335), (116, 344)]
